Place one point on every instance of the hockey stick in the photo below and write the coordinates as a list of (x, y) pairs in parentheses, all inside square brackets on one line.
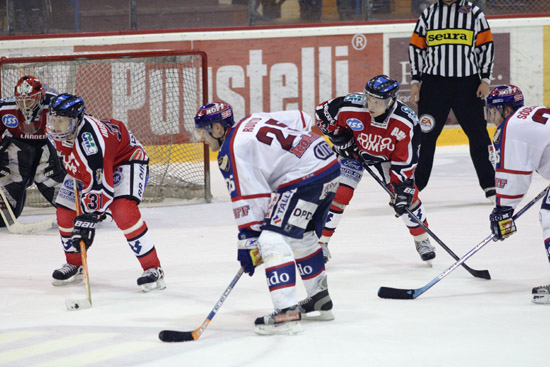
[(185, 336), (484, 274), (396, 293), (77, 304), (16, 227)]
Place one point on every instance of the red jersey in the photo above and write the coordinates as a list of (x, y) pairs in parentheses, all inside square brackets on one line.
[(100, 147), (392, 137)]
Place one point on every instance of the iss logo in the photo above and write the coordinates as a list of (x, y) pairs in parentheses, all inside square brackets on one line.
[(354, 124), (10, 121)]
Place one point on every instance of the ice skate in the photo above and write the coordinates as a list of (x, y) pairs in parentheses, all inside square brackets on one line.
[(152, 279), (280, 322), (541, 295), (317, 307), (425, 250), (67, 274)]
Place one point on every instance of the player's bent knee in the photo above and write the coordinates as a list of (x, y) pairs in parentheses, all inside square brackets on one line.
[(273, 246)]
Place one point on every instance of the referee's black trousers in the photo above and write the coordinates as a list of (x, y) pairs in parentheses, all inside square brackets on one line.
[(437, 96)]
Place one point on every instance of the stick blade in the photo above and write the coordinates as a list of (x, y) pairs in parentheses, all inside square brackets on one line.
[(77, 304), (171, 336), (396, 293), (30, 228), (484, 274)]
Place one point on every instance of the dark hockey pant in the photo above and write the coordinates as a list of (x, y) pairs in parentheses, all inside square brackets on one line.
[(437, 96)]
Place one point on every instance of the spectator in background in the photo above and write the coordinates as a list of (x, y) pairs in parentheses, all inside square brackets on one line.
[(28, 16), (451, 55)]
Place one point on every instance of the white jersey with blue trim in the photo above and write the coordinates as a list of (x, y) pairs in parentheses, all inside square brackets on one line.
[(265, 152), (522, 144)]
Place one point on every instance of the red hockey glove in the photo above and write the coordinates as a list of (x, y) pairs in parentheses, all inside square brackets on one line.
[(502, 223)]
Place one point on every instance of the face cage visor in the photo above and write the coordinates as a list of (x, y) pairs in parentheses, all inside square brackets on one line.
[(487, 111), (60, 128)]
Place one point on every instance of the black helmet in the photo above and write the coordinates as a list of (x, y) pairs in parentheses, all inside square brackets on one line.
[(382, 86)]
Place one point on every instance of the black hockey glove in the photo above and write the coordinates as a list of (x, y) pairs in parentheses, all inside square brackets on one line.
[(84, 229), (502, 223), (343, 144), (249, 255), (404, 194)]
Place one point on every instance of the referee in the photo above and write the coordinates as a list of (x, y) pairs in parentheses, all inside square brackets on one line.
[(451, 55)]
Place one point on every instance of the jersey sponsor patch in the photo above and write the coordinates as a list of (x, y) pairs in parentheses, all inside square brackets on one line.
[(88, 144), (427, 123), (10, 121), (355, 98), (223, 162), (281, 208), (302, 214), (450, 37), (409, 112), (323, 151), (354, 124)]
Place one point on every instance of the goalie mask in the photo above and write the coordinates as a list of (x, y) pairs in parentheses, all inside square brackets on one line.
[(66, 112), (380, 93), (501, 97), (205, 123), (29, 93)]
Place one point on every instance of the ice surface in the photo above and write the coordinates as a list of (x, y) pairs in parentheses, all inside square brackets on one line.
[(461, 321)]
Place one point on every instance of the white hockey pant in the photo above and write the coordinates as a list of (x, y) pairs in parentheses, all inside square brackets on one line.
[(278, 253)]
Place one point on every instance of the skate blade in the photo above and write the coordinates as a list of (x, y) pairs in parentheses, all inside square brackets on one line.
[(158, 285), (429, 263), (73, 280), (77, 304), (541, 299), (288, 328), (318, 316)]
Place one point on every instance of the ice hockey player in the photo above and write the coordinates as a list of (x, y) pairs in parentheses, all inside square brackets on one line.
[(111, 167), (25, 155), (375, 129), (522, 145), (281, 178)]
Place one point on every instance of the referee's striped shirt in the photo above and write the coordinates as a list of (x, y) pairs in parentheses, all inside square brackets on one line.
[(451, 41)]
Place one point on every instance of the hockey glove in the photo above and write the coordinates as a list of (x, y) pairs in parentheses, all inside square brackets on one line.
[(325, 114), (249, 255), (343, 144), (370, 160), (502, 223), (84, 230), (404, 194)]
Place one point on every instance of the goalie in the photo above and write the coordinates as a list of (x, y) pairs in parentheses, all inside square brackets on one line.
[(281, 178), (376, 129), (25, 155)]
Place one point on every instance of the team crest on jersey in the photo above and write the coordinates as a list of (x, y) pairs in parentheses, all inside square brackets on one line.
[(464, 9), (427, 123), (10, 121), (99, 176), (223, 163), (117, 176), (88, 144), (354, 124)]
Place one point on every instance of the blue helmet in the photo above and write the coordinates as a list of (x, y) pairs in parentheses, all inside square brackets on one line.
[(213, 112), (66, 112), (382, 86), (67, 105), (505, 95)]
